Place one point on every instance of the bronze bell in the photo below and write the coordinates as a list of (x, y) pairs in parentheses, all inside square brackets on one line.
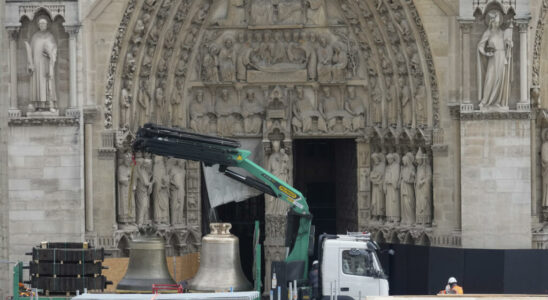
[(147, 266), (220, 267)]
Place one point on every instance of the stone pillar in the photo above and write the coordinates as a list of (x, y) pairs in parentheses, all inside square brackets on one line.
[(363, 151), (13, 111), (466, 104), (89, 116), (523, 91), (73, 110)]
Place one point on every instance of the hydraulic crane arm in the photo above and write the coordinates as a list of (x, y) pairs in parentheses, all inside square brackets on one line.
[(212, 150)]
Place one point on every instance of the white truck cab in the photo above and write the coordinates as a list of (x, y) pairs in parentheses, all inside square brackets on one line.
[(350, 268)]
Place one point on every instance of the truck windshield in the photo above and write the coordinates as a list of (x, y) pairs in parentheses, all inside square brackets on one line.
[(359, 262)]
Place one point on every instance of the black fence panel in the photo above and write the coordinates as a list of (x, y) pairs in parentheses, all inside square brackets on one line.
[(419, 270)]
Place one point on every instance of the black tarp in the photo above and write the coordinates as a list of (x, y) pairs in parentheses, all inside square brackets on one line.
[(420, 270)]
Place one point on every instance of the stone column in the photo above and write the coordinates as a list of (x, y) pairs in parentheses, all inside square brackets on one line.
[(523, 91), (89, 116), (363, 152), (13, 111), (466, 104), (73, 110)]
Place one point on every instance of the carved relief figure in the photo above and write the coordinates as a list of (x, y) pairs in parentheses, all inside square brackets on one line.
[(391, 102), (252, 112), (311, 57), (41, 58), (288, 11), (278, 165), (262, 12), (143, 110), (227, 61), (406, 105), (376, 105), (176, 172), (496, 46), (340, 62), (391, 187), (315, 12), (243, 58), (226, 107), (200, 113), (279, 53), (354, 106), (126, 190), (143, 190), (407, 189), (330, 108), (420, 100), (544, 162), (423, 189), (160, 191), (305, 113), (210, 64), (125, 106), (325, 59), (378, 205)]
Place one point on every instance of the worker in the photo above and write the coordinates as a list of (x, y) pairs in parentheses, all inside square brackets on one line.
[(452, 287), (313, 280)]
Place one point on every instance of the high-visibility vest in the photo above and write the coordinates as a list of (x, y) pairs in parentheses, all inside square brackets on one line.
[(458, 290)]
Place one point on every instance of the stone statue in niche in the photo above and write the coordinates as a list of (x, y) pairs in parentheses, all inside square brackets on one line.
[(143, 109), (227, 61), (340, 62), (160, 194), (176, 173), (143, 190), (376, 104), (420, 100), (126, 190), (544, 163), (496, 47), (325, 59), (315, 12), (406, 104), (279, 166), (125, 109), (175, 118), (355, 107), (378, 205), (210, 64), (41, 59), (161, 110), (227, 110), (423, 189), (305, 114), (407, 189), (252, 112), (391, 188), (414, 59), (391, 102), (200, 113), (138, 32), (333, 113)]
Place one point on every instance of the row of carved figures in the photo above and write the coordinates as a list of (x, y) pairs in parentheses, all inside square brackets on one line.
[(400, 191), (322, 56), (151, 190)]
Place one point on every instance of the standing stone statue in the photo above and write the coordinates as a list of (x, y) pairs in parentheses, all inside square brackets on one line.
[(176, 172), (544, 162), (407, 189), (161, 191), (354, 106), (378, 205), (391, 188), (309, 47), (41, 56), (252, 112), (420, 101), (423, 189), (340, 62), (331, 110), (496, 46), (126, 190), (143, 190), (325, 60), (226, 108), (406, 104), (243, 58), (227, 61), (278, 165), (391, 102), (305, 113), (376, 104), (210, 64)]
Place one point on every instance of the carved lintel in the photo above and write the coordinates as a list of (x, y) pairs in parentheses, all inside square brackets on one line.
[(503, 115), (43, 121)]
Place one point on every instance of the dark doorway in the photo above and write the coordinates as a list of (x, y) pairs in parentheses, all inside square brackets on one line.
[(325, 172)]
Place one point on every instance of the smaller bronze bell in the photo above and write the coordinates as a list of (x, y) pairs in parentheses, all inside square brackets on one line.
[(147, 266), (220, 267)]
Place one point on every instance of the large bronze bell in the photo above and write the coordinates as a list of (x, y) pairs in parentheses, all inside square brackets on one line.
[(147, 266), (220, 267)]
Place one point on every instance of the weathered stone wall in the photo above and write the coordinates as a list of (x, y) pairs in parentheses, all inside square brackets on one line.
[(45, 185), (496, 184)]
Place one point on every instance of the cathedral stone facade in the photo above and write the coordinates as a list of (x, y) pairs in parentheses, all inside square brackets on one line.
[(442, 100)]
